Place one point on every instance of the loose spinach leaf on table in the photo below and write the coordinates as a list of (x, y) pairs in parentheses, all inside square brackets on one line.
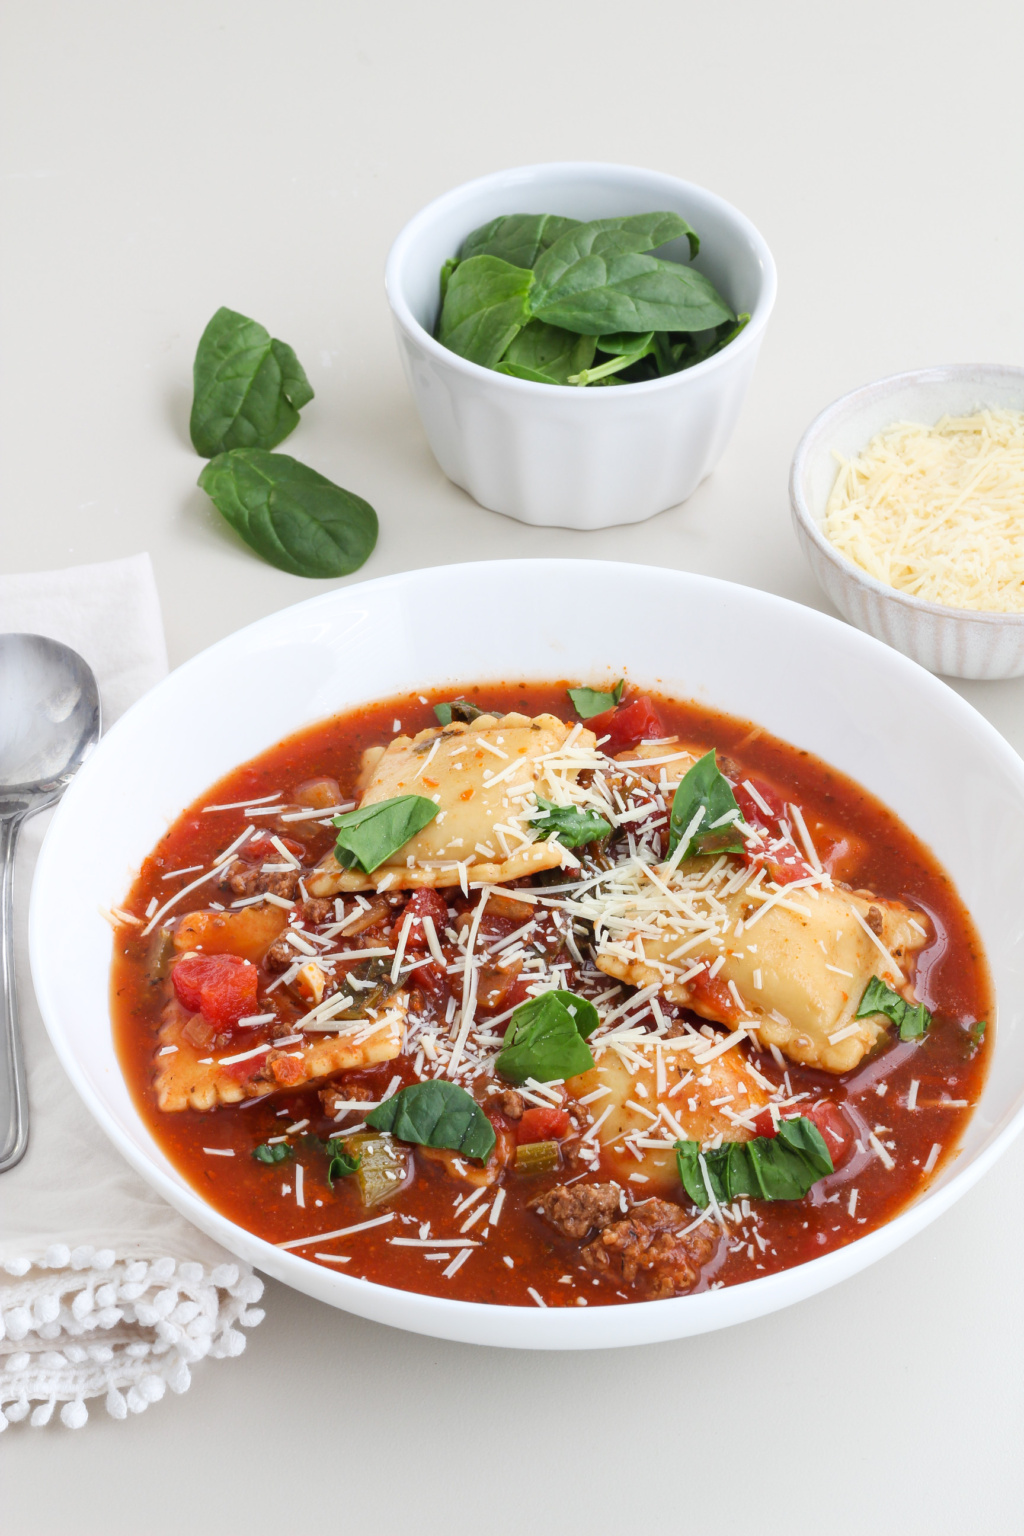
[(248, 387), (368, 837), (706, 790), (270, 1154), (546, 1038), (457, 709), (589, 702), (485, 306), (910, 1020), (436, 1114), (518, 238), (296, 519), (573, 825), (781, 1167)]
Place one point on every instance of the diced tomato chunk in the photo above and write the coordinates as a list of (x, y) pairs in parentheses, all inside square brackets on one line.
[(836, 1129), (422, 903), (784, 864), (542, 1125), (837, 1132), (220, 987), (627, 725), (241, 1071), (261, 848), (712, 995), (432, 980)]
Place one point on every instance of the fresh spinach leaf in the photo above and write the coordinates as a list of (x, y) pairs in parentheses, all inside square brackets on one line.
[(531, 375), (291, 516), (458, 709), (704, 789), (589, 702), (248, 387), (340, 1164), (595, 279), (629, 292), (547, 353), (368, 837), (518, 238), (446, 271), (486, 304), (644, 345), (436, 1114), (545, 1040), (270, 1154), (573, 826), (781, 1167), (910, 1020)]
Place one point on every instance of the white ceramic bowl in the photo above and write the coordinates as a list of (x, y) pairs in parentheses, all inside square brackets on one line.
[(956, 641), (560, 455), (807, 677)]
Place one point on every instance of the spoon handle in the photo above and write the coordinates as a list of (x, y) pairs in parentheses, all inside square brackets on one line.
[(13, 1081)]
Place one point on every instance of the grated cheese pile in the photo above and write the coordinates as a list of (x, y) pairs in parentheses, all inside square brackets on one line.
[(938, 512)]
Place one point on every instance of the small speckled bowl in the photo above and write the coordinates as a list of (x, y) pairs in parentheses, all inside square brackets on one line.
[(959, 642)]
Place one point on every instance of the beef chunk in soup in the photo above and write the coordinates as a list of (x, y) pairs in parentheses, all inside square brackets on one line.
[(650, 1250)]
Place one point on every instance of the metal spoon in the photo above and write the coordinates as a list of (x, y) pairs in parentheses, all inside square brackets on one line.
[(49, 723)]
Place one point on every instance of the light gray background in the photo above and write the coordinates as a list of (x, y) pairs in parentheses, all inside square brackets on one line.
[(161, 159)]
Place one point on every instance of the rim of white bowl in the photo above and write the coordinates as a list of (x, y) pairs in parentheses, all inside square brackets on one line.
[(638, 1322), (513, 177), (945, 373)]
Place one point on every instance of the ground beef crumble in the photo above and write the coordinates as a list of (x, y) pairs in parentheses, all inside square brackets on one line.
[(577, 1209), (649, 1249)]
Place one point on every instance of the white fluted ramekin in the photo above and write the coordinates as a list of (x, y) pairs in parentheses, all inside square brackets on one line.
[(560, 455), (959, 642)]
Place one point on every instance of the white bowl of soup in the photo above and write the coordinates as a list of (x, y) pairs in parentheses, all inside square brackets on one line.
[(539, 1065)]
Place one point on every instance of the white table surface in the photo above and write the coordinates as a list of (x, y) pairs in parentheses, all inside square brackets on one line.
[(162, 159)]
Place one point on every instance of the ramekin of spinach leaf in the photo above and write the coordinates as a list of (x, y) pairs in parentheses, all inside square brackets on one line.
[(555, 300), (526, 302)]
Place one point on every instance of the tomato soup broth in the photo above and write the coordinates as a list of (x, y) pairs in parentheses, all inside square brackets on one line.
[(514, 1228)]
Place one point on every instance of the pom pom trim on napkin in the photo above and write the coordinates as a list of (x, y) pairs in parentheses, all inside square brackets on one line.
[(82, 1323)]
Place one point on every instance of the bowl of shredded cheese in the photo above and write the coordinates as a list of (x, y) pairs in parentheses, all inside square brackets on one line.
[(908, 501)]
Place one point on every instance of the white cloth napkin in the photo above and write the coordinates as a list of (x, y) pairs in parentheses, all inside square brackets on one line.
[(105, 1291)]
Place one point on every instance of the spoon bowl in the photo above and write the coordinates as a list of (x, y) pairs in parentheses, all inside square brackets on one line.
[(49, 723)]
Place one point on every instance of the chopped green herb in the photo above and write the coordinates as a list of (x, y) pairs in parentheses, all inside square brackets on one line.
[(975, 1039), (457, 709), (265, 1153), (546, 1038), (368, 837), (341, 1164), (589, 702), (573, 826), (436, 1114), (705, 790), (910, 1020), (781, 1167), (249, 388)]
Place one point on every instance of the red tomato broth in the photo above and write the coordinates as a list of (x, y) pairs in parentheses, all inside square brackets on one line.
[(874, 850)]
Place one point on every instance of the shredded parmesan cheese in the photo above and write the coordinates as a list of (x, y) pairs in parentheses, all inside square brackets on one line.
[(938, 512)]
